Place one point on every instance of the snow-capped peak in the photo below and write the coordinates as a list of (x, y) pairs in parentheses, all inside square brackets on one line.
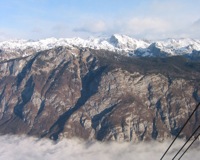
[(114, 43), (178, 46), (118, 43), (127, 43)]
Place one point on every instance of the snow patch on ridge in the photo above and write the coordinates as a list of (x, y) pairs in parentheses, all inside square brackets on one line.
[(117, 43)]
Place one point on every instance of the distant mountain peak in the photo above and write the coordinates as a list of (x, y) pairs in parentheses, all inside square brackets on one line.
[(118, 43)]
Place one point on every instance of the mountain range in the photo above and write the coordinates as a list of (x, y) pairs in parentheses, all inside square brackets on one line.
[(116, 88), (117, 43)]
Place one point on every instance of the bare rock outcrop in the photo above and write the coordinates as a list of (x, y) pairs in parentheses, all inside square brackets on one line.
[(65, 92)]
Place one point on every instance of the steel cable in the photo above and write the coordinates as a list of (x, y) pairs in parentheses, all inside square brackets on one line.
[(186, 142), (180, 131), (189, 146)]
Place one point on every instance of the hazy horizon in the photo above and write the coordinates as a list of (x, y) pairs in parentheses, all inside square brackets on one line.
[(143, 19)]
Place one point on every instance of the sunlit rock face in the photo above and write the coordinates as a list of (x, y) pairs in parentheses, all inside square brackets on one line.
[(98, 94)]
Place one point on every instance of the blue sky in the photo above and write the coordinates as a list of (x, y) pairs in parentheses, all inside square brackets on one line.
[(149, 19)]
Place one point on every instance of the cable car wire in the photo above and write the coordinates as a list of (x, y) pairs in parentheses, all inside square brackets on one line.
[(186, 142), (180, 130), (189, 146)]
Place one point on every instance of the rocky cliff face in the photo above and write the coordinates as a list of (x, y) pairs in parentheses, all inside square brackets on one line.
[(65, 92)]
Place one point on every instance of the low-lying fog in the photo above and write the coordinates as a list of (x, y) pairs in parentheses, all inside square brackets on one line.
[(29, 148)]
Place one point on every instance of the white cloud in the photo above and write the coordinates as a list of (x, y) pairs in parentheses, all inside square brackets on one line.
[(193, 30), (147, 27), (3, 36), (6, 34), (136, 26), (148, 24), (148, 19), (152, 28), (197, 23), (92, 26), (29, 148)]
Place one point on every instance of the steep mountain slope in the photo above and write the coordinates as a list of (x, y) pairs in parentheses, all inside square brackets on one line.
[(97, 94)]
